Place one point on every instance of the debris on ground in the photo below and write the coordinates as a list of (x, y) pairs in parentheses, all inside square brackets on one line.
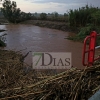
[(16, 83)]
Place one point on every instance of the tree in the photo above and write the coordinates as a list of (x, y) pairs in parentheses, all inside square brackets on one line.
[(65, 17), (95, 17), (43, 16), (28, 16), (84, 15), (10, 11), (55, 15)]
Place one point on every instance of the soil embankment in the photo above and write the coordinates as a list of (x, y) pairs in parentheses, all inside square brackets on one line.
[(64, 26)]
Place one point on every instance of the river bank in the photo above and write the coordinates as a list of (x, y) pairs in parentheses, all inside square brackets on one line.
[(64, 26)]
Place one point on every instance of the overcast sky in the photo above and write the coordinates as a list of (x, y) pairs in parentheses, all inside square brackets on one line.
[(49, 6)]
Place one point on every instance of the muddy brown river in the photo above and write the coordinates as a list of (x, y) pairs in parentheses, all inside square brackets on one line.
[(33, 38)]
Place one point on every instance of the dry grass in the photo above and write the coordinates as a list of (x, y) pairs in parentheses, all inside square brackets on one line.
[(16, 84)]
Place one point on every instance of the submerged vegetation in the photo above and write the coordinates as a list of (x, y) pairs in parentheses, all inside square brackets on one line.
[(2, 39)]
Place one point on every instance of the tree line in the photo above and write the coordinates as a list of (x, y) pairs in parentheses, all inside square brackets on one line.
[(54, 16), (84, 15), (78, 17), (15, 15)]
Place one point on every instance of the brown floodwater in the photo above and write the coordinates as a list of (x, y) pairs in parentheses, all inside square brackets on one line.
[(37, 39)]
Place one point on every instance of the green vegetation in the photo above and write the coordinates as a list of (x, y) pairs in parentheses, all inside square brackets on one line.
[(2, 44), (54, 16), (86, 19), (85, 15), (15, 15), (43, 16), (84, 31), (12, 13)]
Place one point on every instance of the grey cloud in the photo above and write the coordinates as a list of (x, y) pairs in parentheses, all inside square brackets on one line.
[(63, 5), (63, 1), (93, 2), (55, 1)]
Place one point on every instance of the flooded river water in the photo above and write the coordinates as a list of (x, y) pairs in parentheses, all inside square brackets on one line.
[(37, 39)]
